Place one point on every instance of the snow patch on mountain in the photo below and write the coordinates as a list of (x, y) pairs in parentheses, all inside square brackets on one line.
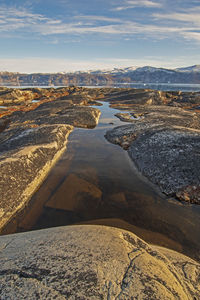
[(195, 68)]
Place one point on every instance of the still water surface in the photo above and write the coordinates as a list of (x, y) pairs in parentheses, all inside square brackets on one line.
[(95, 182), (155, 86)]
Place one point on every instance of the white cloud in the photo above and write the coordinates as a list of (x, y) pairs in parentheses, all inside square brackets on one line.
[(23, 22), (185, 17), (97, 18), (146, 3), (138, 3), (192, 36), (123, 27), (188, 20), (12, 19)]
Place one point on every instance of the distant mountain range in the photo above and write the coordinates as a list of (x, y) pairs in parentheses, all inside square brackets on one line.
[(146, 74)]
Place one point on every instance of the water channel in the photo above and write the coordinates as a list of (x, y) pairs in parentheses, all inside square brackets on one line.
[(95, 182)]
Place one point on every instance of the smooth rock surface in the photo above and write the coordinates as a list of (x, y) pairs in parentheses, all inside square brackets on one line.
[(92, 262)]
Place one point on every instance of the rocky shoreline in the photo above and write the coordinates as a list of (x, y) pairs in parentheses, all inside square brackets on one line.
[(34, 136), (162, 137), (76, 262), (35, 123), (164, 143)]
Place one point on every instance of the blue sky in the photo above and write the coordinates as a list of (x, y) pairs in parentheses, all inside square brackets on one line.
[(70, 35)]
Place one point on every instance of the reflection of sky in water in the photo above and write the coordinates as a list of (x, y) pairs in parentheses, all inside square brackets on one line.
[(108, 116)]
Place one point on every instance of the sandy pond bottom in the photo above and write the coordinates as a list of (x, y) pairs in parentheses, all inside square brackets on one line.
[(95, 182)]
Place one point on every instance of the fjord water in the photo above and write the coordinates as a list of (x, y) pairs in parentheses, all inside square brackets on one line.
[(95, 182), (154, 86), (163, 86)]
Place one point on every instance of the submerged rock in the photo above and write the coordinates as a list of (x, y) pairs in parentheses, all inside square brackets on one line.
[(93, 262), (75, 193)]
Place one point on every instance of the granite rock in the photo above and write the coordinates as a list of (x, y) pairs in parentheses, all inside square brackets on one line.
[(92, 262), (26, 157), (164, 145)]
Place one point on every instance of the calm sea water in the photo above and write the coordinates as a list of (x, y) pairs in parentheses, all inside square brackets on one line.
[(164, 86), (156, 86)]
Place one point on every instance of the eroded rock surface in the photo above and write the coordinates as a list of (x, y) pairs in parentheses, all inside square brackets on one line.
[(168, 157), (164, 144), (26, 156), (93, 262), (127, 98), (190, 194)]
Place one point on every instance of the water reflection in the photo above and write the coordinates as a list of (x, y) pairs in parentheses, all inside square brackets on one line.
[(95, 182)]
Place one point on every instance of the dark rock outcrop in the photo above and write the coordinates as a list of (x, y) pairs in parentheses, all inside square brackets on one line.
[(164, 144), (168, 157)]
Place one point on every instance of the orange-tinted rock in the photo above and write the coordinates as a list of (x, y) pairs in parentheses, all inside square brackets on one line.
[(190, 194)]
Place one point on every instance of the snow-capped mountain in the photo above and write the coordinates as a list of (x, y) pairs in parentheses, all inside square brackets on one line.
[(133, 74), (195, 68), (120, 71), (109, 71), (152, 69), (145, 69)]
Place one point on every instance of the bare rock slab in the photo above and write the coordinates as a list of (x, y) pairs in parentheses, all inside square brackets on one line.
[(169, 158), (58, 112), (92, 262), (164, 145), (26, 156)]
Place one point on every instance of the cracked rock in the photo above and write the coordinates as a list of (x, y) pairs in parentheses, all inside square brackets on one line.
[(92, 262)]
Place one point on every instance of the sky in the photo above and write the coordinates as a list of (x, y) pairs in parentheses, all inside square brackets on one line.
[(71, 35)]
